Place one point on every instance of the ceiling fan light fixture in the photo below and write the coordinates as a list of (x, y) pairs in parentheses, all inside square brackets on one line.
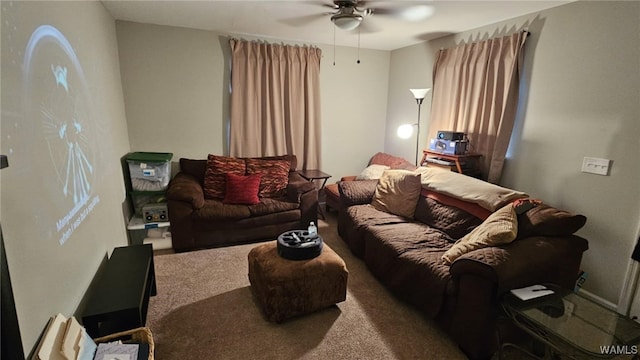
[(346, 22)]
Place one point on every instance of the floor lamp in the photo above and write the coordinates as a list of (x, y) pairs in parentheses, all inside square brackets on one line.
[(406, 130)]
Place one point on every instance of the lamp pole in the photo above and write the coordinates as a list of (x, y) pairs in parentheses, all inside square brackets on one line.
[(419, 101), (419, 95)]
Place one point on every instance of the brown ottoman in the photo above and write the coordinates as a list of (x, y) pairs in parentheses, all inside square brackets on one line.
[(287, 288)]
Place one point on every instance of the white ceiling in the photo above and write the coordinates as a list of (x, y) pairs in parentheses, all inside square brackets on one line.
[(307, 20)]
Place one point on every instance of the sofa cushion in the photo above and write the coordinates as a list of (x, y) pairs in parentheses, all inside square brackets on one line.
[(397, 192), (499, 228), (546, 220), (357, 192), (272, 206), (216, 210), (358, 219), (406, 258), (275, 175), (372, 172), (214, 177), (241, 189), (453, 221)]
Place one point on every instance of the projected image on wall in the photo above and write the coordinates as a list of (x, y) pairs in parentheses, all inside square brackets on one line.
[(57, 115)]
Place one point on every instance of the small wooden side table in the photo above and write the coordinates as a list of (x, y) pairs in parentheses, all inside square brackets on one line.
[(315, 174), (458, 160)]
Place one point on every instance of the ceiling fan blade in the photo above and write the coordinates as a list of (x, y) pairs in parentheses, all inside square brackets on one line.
[(409, 12), (302, 20)]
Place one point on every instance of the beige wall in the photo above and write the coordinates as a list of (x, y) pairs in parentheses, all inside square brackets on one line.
[(411, 68), (580, 97), (49, 277), (582, 83), (175, 83)]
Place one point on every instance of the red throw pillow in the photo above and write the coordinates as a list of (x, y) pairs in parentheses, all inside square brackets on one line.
[(242, 189), (275, 175), (214, 176)]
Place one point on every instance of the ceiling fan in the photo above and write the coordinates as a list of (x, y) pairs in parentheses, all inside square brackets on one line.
[(349, 14)]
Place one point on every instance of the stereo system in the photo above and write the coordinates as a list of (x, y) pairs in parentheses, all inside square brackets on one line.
[(449, 147), (450, 135), (154, 213)]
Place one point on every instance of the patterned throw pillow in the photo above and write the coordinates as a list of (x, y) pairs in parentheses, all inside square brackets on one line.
[(242, 189), (214, 176), (275, 175)]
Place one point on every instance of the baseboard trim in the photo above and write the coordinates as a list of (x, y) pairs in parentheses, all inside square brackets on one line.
[(597, 299)]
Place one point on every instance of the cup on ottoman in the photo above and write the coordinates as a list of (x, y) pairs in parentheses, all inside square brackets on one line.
[(288, 288)]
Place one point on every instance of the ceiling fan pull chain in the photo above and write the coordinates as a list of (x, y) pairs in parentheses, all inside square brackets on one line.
[(334, 46), (358, 45)]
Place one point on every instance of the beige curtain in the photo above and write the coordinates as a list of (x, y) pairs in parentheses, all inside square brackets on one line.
[(275, 101), (475, 91)]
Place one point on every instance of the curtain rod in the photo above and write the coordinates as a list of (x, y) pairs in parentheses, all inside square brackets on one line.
[(526, 31), (267, 42)]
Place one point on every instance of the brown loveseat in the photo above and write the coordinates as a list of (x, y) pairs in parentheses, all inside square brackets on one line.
[(199, 221), (406, 254)]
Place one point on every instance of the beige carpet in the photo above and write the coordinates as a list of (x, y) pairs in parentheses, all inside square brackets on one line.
[(205, 310)]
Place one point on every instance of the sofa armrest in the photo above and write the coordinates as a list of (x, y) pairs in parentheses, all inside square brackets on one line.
[(185, 187), (525, 262), (349, 178), (304, 192), (357, 192), (480, 277), (297, 186)]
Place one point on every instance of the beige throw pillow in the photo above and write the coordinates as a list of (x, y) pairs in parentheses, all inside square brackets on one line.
[(501, 227), (397, 192), (372, 172)]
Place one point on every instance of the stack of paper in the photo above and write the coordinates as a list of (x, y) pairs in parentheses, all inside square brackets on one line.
[(117, 351), (531, 292), (65, 339)]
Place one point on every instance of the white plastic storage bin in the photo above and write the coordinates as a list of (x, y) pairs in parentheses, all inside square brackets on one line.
[(149, 171), (157, 234), (141, 198)]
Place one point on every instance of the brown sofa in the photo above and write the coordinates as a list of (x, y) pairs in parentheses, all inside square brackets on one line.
[(200, 222), (406, 255)]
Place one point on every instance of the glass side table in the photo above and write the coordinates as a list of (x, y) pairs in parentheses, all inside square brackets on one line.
[(573, 326)]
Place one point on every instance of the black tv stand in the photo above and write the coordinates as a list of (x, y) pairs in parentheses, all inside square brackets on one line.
[(120, 297)]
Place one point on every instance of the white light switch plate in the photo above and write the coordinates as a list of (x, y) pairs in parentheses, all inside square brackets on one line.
[(596, 165)]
